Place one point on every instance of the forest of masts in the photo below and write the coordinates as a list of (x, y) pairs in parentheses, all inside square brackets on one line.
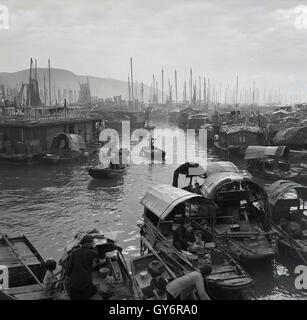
[(200, 90), (197, 90)]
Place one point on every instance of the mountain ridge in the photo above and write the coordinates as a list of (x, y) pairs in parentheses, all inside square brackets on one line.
[(65, 79)]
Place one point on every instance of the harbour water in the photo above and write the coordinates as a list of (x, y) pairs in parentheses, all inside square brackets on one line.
[(50, 204)]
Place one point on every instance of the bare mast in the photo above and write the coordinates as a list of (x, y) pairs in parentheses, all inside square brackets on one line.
[(162, 86), (176, 87), (132, 92), (49, 71)]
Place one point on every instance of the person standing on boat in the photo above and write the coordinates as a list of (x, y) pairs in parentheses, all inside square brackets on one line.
[(183, 237), (79, 269), (186, 284)]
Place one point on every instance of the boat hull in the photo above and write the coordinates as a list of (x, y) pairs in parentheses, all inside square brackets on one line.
[(106, 173)]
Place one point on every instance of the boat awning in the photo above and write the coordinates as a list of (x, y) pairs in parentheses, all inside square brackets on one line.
[(231, 129), (279, 188), (162, 199), (221, 166), (74, 142), (260, 152), (214, 181)]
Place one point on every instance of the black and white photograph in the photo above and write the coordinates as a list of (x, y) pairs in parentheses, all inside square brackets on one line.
[(153, 150)]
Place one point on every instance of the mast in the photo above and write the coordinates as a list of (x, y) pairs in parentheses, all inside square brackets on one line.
[(191, 85), (205, 100), (132, 92), (237, 88), (153, 89), (35, 70), (176, 87), (162, 86), (129, 89), (199, 90), (49, 71), (30, 83), (45, 96), (142, 92), (157, 96), (253, 92)]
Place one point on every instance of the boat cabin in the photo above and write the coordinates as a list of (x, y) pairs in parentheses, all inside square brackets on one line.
[(237, 136), (165, 207), (68, 146), (267, 158), (288, 202), (242, 205), (243, 219)]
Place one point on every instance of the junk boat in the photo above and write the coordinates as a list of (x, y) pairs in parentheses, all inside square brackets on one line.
[(272, 163), (22, 270), (288, 202), (232, 140), (66, 148), (242, 222), (164, 208), (112, 277)]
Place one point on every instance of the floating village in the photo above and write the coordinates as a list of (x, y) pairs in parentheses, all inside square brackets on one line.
[(197, 239)]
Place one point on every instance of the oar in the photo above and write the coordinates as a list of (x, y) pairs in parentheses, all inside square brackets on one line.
[(165, 241), (20, 259)]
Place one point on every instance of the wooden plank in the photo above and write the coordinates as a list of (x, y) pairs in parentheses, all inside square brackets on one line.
[(36, 295), (24, 289)]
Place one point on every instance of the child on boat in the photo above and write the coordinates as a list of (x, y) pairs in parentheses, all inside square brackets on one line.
[(50, 279)]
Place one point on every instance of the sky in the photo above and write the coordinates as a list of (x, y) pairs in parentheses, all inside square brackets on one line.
[(258, 40)]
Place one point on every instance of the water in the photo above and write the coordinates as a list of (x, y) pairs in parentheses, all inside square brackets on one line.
[(35, 202)]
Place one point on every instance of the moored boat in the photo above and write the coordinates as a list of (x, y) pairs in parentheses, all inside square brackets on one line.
[(22, 270), (164, 207), (232, 140), (66, 148), (111, 278), (288, 202), (100, 172), (243, 218), (272, 163)]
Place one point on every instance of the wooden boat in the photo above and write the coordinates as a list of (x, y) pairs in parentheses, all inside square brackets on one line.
[(115, 279), (293, 137), (232, 140), (197, 120), (243, 220), (163, 205), (153, 153), (288, 202), (20, 159), (22, 270), (99, 172), (66, 148), (272, 163), (141, 277)]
